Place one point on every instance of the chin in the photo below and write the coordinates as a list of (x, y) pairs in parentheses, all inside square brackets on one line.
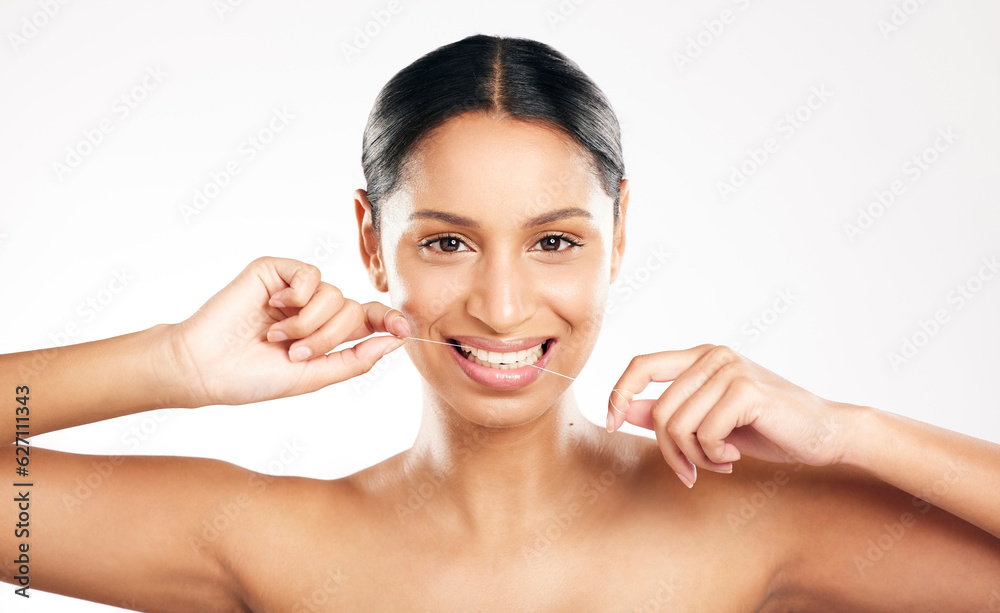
[(499, 413)]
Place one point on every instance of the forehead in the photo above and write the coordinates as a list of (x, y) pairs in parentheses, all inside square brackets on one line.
[(484, 163)]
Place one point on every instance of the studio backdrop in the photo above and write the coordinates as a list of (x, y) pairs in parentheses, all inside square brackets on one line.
[(813, 184)]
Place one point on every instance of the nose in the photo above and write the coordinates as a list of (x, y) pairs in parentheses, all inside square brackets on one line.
[(503, 294)]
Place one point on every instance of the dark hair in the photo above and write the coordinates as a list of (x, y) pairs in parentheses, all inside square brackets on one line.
[(517, 77)]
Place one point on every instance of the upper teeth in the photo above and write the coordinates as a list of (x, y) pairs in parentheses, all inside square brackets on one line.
[(494, 357)]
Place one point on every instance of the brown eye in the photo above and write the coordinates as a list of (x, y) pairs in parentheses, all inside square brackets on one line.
[(446, 244), (449, 244), (550, 243)]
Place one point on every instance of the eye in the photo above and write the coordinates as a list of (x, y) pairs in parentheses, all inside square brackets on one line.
[(445, 244), (556, 242)]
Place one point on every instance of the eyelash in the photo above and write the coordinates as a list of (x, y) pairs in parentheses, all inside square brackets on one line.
[(559, 235)]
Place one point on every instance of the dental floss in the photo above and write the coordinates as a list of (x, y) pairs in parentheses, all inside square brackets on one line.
[(616, 391)]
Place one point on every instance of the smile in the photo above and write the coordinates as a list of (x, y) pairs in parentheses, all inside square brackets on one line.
[(502, 365), (503, 361)]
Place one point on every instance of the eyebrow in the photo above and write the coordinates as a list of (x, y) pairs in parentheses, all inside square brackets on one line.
[(459, 220)]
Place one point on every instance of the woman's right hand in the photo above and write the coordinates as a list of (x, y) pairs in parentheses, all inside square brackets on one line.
[(265, 334)]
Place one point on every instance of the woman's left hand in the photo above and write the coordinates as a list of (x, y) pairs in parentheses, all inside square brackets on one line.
[(721, 405)]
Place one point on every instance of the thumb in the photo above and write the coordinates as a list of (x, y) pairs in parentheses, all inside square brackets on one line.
[(354, 361), (638, 413), (373, 349)]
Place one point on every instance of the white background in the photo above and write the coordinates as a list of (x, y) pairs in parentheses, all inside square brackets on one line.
[(684, 125)]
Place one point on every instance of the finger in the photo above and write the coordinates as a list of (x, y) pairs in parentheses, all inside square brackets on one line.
[(350, 362), (643, 369), (639, 414), (691, 380), (352, 322), (330, 335), (678, 462), (683, 424), (301, 279), (381, 318), (736, 408), (326, 302)]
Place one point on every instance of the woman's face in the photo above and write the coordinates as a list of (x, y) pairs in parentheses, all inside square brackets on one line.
[(501, 240)]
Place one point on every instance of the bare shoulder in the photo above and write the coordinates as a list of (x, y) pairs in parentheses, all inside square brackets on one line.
[(845, 539), (823, 538), (290, 542)]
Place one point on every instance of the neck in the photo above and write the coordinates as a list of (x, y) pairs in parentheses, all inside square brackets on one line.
[(494, 479)]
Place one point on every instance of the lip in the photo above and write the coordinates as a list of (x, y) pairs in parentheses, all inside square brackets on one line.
[(495, 378)]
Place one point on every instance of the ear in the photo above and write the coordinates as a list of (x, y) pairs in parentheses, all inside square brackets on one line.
[(371, 257), (618, 246)]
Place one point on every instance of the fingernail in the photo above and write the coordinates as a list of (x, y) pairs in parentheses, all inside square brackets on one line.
[(394, 346), (685, 480), (400, 325), (726, 468), (297, 354), (624, 408), (731, 453), (613, 413), (276, 303), (276, 336)]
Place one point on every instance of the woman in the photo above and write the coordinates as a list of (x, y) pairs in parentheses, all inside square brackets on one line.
[(494, 216)]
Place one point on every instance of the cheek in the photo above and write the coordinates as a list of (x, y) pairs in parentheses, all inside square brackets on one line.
[(424, 293), (576, 293), (579, 299)]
